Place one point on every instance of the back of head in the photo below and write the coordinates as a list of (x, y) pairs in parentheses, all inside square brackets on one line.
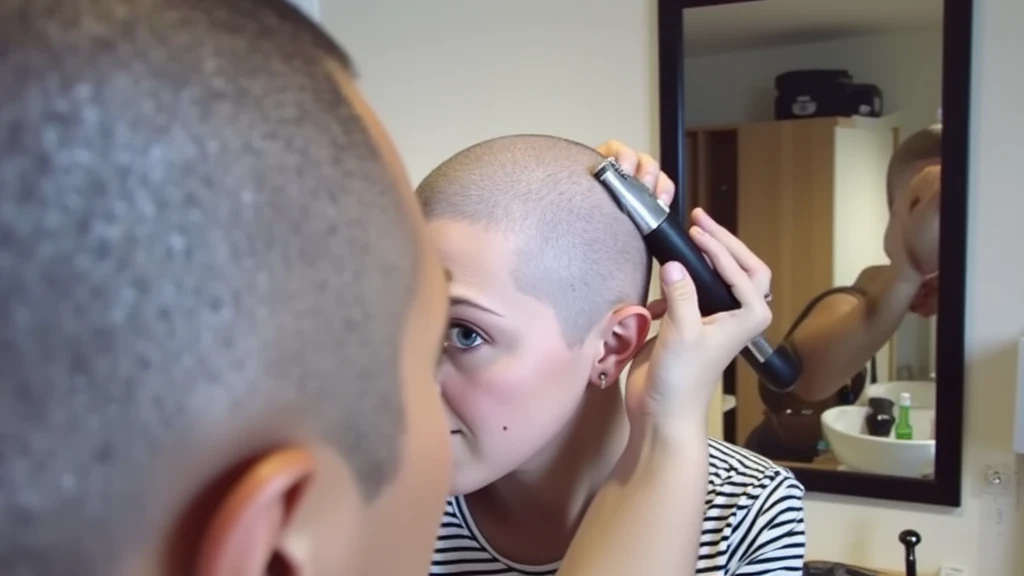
[(922, 146), (574, 248), (201, 256)]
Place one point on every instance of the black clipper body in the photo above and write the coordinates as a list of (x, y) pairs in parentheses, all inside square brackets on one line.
[(669, 241)]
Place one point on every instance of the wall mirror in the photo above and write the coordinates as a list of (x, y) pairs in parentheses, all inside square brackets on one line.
[(780, 118)]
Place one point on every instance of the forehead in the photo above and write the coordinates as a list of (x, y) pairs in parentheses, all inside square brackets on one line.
[(474, 255)]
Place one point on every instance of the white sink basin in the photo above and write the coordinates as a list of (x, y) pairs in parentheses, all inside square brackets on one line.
[(848, 438), (922, 392)]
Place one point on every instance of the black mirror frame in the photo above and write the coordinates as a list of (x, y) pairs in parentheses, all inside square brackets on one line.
[(945, 489)]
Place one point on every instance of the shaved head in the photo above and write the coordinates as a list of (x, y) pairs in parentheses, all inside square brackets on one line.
[(202, 256), (574, 248), (922, 146)]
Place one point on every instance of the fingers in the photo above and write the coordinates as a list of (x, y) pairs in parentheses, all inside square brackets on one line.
[(924, 188), (929, 178), (657, 308), (665, 189), (649, 172), (643, 167), (627, 158), (928, 200), (759, 272), (681, 300), (750, 296)]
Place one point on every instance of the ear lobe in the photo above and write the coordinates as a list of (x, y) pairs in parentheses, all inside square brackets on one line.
[(629, 327), (243, 537)]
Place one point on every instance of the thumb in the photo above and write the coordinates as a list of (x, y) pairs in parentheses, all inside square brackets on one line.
[(681, 297)]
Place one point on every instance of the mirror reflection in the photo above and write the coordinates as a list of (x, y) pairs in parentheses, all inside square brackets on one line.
[(814, 134)]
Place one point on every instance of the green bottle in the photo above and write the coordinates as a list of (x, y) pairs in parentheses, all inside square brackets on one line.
[(904, 431)]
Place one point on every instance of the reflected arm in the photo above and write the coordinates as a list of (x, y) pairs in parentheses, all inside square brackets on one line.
[(841, 334)]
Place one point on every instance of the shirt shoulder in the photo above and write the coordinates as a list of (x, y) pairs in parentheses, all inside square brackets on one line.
[(754, 514), (733, 465)]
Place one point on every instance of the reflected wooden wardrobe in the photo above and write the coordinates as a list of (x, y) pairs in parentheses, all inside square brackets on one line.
[(808, 196)]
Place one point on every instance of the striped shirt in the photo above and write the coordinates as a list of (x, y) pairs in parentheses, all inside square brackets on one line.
[(753, 525)]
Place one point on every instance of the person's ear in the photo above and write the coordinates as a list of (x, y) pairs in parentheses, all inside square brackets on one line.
[(625, 332), (245, 533)]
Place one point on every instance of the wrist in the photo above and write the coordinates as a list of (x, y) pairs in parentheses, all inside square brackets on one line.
[(671, 453), (903, 273), (680, 435), (669, 436)]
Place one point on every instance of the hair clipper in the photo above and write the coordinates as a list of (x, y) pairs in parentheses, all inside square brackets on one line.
[(669, 241)]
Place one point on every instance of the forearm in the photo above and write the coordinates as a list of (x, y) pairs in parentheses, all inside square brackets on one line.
[(836, 345), (647, 518)]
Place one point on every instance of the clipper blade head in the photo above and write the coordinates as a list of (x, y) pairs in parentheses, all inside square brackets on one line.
[(610, 163), (632, 196)]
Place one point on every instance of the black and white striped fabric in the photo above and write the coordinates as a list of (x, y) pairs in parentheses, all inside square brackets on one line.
[(753, 525)]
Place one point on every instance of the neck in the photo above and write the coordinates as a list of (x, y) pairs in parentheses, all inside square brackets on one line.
[(530, 515)]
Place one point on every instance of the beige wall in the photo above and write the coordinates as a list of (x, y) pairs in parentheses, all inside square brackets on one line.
[(446, 75)]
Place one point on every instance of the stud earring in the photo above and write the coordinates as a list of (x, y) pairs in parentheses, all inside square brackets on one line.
[(604, 380)]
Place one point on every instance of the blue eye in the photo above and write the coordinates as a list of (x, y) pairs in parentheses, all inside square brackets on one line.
[(463, 337)]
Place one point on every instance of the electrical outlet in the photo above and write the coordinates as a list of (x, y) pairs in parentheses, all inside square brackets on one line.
[(952, 571), (1000, 481)]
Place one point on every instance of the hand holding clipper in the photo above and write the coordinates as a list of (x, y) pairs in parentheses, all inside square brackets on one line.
[(668, 241)]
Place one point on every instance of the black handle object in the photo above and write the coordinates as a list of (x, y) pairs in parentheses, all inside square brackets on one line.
[(778, 368), (880, 419), (668, 241), (910, 539)]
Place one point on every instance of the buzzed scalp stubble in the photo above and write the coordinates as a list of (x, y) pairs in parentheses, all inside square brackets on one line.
[(923, 145), (574, 248), (201, 256)]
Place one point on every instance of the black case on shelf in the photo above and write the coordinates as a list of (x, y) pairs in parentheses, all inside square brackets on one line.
[(817, 93)]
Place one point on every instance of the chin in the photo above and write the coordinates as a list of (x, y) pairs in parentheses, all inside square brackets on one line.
[(465, 481), (469, 476), (457, 489)]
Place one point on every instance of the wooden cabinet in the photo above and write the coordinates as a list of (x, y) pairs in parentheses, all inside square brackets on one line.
[(808, 196)]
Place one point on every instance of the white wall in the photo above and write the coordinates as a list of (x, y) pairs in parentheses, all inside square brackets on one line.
[(446, 75)]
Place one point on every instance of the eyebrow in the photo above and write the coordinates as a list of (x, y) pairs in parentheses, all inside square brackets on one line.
[(456, 300)]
